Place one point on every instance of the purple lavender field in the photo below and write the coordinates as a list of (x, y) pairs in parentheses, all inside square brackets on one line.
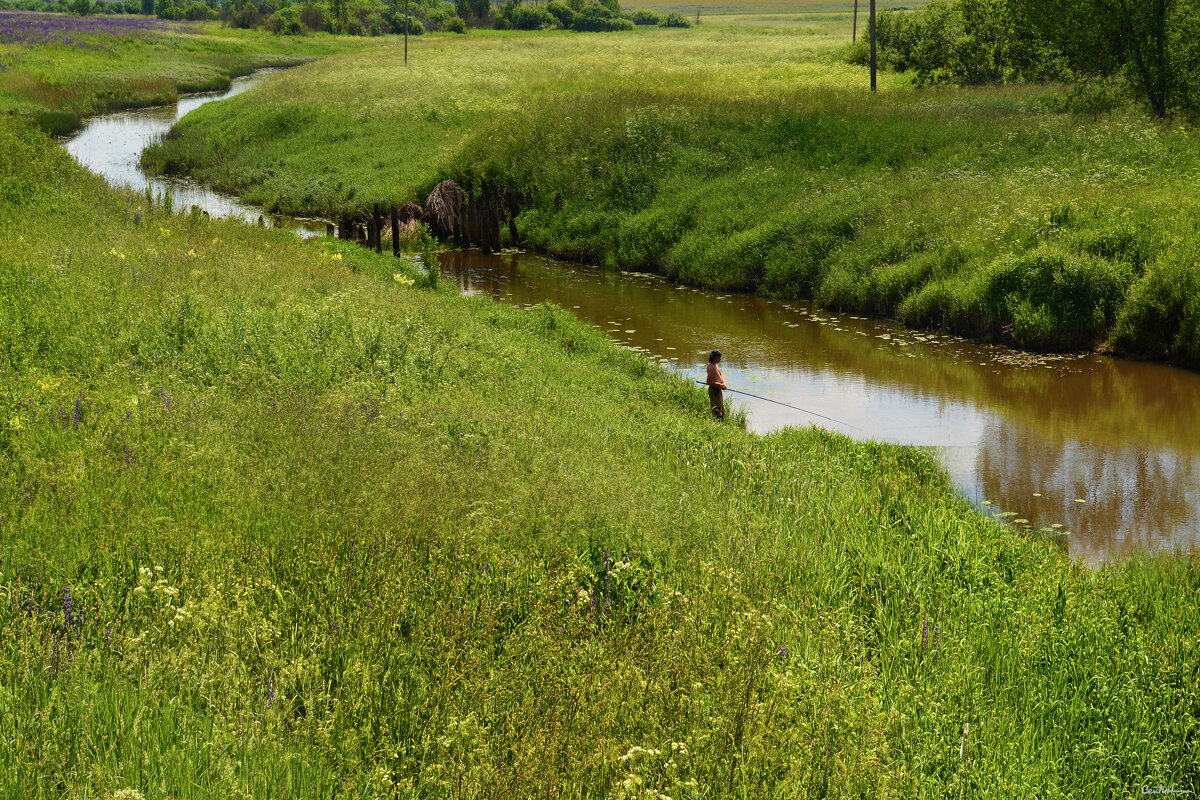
[(33, 27)]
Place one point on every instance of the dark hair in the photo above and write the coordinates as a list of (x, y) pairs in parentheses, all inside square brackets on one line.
[(713, 356)]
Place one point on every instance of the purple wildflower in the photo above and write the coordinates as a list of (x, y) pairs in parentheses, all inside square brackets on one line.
[(270, 693), (783, 653), (137, 218), (78, 413)]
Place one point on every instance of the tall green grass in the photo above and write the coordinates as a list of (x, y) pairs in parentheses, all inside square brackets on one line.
[(59, 84), (276, 522), (749, 157)]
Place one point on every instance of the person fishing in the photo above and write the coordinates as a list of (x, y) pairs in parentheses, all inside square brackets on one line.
[(716, 385)]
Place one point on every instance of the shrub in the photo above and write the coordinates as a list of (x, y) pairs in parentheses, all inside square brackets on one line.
[(644, 16), (170, 12), (197, 11), (562, 13), (312, 16), (674, 20), (286, 22), (597, 18), (526, 18), (456, 25), (1054, 299)]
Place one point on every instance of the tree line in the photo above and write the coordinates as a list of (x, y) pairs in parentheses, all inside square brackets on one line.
[(1150, 48)]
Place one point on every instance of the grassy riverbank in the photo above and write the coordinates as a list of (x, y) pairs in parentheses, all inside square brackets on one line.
[(747, 156), (277, 523), (58, 68)]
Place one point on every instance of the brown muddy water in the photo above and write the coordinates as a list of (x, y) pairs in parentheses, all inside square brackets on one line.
[(1099, 454)]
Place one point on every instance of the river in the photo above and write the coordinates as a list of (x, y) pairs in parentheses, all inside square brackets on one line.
[(1097, 454)]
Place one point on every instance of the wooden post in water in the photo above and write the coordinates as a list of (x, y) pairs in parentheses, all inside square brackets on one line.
[(395, 232), (472, 218), (873, 85), (377, 218), (485, 221), (494, 217)]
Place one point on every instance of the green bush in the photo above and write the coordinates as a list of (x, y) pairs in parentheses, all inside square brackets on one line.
[(525, 18), (1048, 298), (674, 20), (561, 12), (644, 16), (599, 18), (456, 25), (286, 22)]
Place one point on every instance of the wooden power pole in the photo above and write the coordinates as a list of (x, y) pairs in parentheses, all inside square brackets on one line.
[(406, 37), (854, 30), (872, 44)]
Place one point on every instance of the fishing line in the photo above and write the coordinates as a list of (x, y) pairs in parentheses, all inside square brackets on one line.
[(787, 405)]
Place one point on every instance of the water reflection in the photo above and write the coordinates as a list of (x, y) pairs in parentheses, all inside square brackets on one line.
[(1024, 437), (111, 146)]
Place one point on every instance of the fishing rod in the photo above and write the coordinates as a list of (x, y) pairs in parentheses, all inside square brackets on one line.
[(786, 405)]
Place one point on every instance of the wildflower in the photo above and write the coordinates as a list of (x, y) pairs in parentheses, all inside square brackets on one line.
[(137, 219), (15, 423), (783, 653), (164, 232), (192, 253), (128, 794), (336, 257), (403, 280), (270, 693)]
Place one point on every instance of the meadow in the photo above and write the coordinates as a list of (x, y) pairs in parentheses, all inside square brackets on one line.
[(746, 154), (281, 519), (59, 68)]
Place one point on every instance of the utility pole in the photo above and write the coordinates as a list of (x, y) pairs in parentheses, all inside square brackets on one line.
[(854, 30), (406, 41), (873, 44)]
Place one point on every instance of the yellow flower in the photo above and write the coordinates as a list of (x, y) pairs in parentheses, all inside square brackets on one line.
[(192, 253), (336, 256), (15, 423), (402, 279)]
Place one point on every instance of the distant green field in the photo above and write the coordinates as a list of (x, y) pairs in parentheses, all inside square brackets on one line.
[(777, 8), (60, 68)]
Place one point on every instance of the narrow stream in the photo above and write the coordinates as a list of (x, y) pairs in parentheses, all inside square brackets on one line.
[(111, 146), (1099, 454)]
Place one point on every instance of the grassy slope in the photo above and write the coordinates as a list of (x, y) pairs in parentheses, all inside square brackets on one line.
[(60, 84), (746, 157), (276, 524)]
